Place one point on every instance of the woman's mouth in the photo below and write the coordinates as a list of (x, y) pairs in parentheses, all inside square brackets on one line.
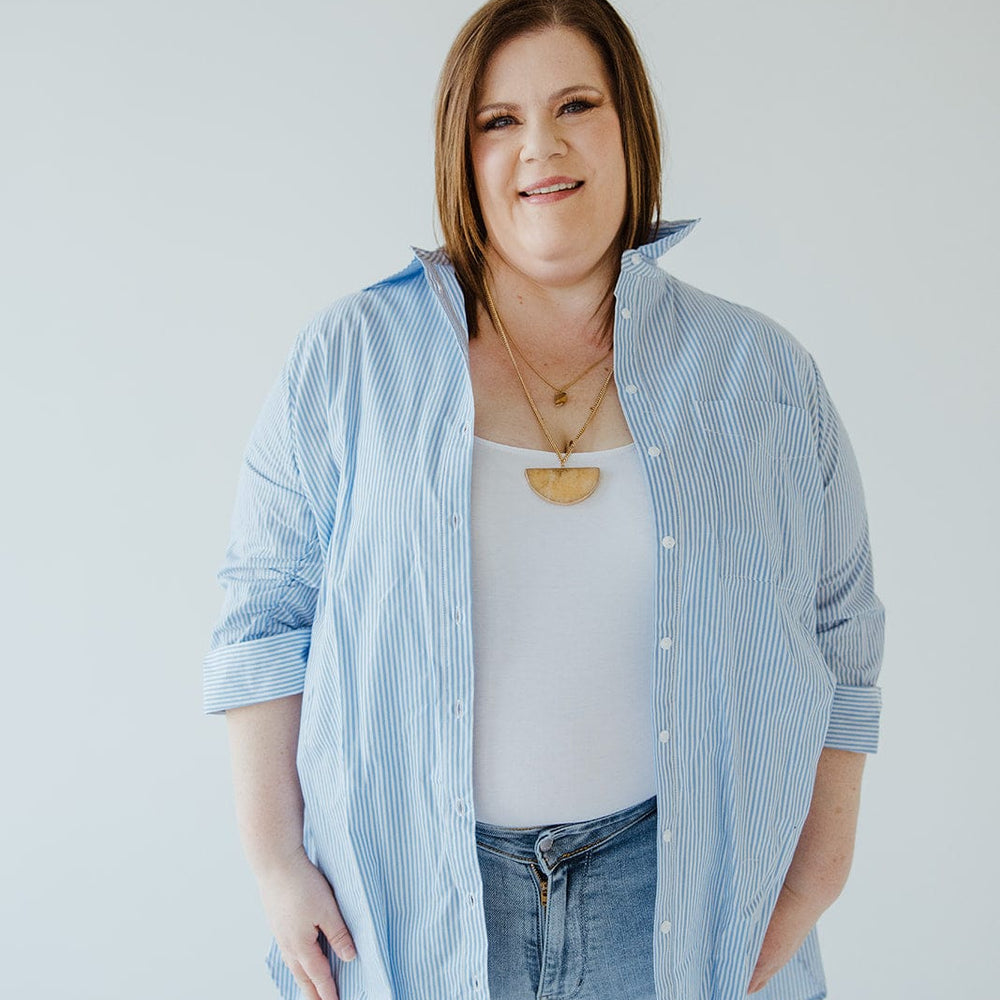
[(551, 189)]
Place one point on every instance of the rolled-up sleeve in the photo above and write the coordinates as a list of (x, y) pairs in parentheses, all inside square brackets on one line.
[(271, 572), (850, 618)]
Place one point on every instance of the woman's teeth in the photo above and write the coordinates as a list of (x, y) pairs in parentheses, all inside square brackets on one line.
[(551, 188)]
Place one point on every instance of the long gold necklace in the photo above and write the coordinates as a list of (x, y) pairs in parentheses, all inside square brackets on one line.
[(562, 485)]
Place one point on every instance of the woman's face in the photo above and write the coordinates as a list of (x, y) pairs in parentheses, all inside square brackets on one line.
[(544, 119)]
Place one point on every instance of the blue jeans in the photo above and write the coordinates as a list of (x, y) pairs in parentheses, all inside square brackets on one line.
[(570, 908)]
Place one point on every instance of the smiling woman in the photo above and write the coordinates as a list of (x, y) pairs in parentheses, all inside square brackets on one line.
[(603, 734), (588, 37), (552, 228)]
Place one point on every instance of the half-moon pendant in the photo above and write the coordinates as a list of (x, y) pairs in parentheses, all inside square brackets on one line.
[(563, 486)]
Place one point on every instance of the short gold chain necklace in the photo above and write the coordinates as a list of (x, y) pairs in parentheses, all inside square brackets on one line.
[(561, 485), (560, 396)]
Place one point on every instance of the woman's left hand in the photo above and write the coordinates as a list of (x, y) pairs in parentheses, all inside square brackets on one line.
[(821, 862), (793, 918)]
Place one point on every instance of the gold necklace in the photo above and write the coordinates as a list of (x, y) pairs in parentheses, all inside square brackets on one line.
[(560, 397), (562, 485)]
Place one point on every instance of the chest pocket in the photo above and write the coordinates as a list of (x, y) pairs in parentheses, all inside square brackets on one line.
[(766, 494)]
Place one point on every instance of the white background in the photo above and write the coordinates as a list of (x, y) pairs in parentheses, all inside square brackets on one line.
[(183, 185)]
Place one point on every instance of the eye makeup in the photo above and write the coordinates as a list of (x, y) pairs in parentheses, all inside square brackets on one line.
[(495, 114)]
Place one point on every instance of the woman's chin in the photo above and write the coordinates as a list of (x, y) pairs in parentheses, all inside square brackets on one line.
[(559, 263)]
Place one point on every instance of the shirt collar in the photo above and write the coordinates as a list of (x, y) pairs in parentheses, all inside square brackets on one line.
[(440, 272), (668, 232)]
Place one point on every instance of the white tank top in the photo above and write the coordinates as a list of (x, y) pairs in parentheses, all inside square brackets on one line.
[(562, 630)]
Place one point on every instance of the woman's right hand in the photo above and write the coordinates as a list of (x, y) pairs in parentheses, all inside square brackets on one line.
[(300, 903)]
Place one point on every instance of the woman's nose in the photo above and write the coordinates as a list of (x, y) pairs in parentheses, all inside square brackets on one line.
[(541, 140)]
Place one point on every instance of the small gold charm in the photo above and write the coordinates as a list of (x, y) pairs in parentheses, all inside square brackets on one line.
[(560, 398)]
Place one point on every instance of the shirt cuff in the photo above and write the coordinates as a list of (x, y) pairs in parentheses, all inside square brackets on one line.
[(245, 673), (854, 718)]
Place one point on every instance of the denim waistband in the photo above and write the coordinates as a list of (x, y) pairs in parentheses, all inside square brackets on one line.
[(560, 840)]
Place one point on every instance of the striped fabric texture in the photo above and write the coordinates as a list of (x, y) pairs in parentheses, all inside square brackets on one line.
[(347, 579)]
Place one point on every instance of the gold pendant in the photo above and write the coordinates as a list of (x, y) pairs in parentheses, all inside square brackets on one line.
[(563, 486), (560, 397)]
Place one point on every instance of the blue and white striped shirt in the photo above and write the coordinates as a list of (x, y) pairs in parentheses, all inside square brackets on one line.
[(347, 579)]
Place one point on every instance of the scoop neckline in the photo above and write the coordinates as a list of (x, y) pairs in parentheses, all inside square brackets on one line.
[(549, 453)]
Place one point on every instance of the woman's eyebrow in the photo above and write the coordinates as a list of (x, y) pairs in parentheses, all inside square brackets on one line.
[(509, 105)]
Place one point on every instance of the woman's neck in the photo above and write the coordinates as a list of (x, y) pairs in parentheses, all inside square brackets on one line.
[(554, 318)]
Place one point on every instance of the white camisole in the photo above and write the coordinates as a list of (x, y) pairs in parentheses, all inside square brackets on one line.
[(562, 625)]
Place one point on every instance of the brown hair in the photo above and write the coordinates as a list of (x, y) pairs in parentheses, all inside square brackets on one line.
[(494, 24)]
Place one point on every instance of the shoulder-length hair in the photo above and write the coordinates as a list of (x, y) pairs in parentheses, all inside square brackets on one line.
[(494, 24)]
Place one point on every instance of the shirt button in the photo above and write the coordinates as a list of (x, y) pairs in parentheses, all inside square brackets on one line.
[(455, 521), (665, 927), (460, 807), (626, 314), (668, 541), (666, 836), (664, 735), (458, 616), (653, 451), (666, 642), (459, 708), (631, 389)]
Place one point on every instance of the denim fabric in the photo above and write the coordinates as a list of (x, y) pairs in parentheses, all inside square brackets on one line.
[(570, 908)]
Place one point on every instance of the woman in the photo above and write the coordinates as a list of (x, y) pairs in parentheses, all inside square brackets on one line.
[(634, 500)]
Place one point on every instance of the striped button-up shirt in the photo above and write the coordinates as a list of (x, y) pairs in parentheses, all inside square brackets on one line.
[(348, 579)]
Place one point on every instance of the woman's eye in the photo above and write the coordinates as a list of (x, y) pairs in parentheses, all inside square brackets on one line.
[(499, 121)]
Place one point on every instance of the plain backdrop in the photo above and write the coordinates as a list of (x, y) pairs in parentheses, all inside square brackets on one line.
[(184, 185)]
